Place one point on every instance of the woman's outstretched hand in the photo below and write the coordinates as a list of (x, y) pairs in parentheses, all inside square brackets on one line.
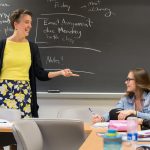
[(68, 73)]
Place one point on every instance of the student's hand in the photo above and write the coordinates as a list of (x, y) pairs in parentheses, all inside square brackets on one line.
[(124, 113), (97, 118), (68, 73), (140, 121)]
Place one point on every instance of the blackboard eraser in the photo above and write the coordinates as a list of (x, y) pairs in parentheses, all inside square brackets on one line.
[(53, 91)]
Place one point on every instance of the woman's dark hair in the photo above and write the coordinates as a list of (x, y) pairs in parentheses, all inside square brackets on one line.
[(15, 15), (142, 79)]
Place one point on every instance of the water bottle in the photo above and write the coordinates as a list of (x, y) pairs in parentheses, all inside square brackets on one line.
[(112, 140), (132, 132)]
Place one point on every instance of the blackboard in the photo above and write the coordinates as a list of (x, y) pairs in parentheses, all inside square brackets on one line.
[(99, 39)]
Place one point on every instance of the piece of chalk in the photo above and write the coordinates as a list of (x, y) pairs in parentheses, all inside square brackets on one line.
[(53, 91)]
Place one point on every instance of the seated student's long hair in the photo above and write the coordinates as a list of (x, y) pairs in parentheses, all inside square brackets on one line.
[(142, 79)]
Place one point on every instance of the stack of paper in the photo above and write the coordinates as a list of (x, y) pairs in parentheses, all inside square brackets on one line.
[(144, 135), (100, 124)]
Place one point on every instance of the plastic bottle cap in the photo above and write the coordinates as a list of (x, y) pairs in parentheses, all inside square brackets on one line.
[(111, 132)]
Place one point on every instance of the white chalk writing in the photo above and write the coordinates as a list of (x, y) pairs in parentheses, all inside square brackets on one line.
[(4, 5), (59, 5), (96, 6), (4, 18), (73, 47), (63, 5), (58, 27), (54, 60), (75, 71), (7, 30)]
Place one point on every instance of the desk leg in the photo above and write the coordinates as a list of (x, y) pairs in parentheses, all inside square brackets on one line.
[(12, 147), (1, 148)]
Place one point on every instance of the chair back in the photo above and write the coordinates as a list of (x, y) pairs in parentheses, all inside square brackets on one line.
[(61, 134), (27, 135)]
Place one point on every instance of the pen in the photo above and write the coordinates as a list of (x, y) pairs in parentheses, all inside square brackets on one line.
[(93, 113)]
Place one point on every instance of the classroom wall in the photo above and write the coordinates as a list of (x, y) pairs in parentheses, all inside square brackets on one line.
[(51, 104)]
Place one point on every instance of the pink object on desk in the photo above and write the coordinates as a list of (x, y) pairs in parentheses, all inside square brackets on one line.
[(119, 125)]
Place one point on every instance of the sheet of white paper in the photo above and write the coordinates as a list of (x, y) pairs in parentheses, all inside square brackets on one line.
[(144, 132), (143, 139), (100, 124)]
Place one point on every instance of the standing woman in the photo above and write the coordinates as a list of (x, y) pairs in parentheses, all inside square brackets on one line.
[(20, 65)]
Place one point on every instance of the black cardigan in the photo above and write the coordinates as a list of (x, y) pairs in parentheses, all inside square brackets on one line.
[(36, 70)]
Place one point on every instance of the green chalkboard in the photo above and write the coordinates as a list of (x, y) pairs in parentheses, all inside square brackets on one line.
[(99, 39)]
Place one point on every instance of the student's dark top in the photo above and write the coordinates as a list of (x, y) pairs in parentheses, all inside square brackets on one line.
[(36, 70), (145, 124)]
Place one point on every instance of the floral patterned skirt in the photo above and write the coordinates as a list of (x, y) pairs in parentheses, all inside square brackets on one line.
[(16, 95)]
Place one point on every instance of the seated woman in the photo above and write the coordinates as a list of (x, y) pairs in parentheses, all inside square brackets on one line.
[(136, 100)]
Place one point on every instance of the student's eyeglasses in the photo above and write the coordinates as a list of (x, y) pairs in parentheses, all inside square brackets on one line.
[(129, 79)]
